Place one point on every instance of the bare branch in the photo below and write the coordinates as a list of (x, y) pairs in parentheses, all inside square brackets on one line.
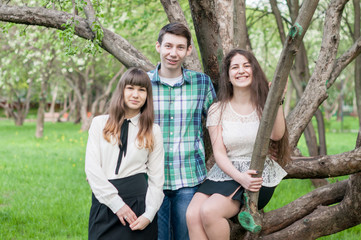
[(278, 17), (120, 48), (343, 61)]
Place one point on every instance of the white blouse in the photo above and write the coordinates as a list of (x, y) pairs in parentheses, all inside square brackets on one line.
[(101, 160), (239, 135)]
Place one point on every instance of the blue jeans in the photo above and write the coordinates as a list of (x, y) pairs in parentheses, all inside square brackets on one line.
[(172, 224)]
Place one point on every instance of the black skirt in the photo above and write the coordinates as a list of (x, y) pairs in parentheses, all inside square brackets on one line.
[(105, 225), (226, 188)]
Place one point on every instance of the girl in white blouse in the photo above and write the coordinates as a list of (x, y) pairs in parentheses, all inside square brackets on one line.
[(124, 163), (233, 123)]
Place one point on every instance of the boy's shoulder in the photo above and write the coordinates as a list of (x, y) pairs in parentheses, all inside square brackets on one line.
[(198, 75)]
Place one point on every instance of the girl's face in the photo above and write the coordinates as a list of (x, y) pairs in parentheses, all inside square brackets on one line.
[(134, 98), (240, 72)]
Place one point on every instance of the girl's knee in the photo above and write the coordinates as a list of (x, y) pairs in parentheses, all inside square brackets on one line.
[(192, 215), (206, 214)]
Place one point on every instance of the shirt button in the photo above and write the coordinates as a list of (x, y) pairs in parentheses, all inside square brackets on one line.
[(171, 117), (171, 133)]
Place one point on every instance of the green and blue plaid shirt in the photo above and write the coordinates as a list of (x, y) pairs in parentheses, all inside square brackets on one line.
[(178, 110)]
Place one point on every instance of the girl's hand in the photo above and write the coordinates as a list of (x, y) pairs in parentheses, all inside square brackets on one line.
[(125, 213), (139, 224), (250, 183)]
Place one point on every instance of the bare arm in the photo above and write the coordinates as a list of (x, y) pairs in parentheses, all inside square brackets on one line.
[(279, 126)]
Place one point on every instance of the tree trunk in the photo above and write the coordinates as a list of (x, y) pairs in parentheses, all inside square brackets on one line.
[(53, 102), (356, 4), (241, 38), (208, 36), (41, 109), (321, 132)]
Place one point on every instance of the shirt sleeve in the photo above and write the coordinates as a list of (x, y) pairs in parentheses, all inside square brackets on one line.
[(103, 190), (209, 98), (155, 172), (214, 115)]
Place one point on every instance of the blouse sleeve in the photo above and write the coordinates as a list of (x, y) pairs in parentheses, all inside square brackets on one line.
[(214, 114), (103, 190), (155, 172)]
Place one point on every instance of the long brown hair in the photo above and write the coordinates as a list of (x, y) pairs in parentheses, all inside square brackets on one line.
[(259, 92), (135, 77)]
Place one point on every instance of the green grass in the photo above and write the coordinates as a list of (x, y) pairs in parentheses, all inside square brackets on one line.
[(44, 193), (43, 189)]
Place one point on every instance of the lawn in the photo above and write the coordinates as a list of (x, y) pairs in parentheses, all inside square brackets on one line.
[(43, 189), (44, 193)]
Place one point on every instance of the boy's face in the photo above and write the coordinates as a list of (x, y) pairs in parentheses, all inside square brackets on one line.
[(173, 51)]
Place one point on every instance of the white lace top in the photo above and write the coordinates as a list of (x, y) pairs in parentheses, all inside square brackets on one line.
[(239, 134)]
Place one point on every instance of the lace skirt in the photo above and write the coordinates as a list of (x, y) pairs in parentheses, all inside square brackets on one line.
[(272, 174)]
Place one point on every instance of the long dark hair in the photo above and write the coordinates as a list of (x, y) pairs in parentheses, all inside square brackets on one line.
[(259, 92), (137, 77)]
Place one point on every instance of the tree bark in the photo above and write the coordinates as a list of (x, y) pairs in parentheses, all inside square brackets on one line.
[(53, 102), (298, 119), (278, 219), (325, 166), (321, 132), (208, 36), (18, 110), (240, 32), (41, 109), (357, 35)]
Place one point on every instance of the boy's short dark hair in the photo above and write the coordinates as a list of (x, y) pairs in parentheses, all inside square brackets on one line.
[(175, 28)]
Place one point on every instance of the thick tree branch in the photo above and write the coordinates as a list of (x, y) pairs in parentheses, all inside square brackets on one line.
[(303, 112), (343, 61), (278, 84), (278, 17), (325, 166), (120, 48), (240, 32), (326, 220), (301, 207)]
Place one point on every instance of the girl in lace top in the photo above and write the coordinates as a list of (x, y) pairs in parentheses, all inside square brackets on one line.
[(233, 124)]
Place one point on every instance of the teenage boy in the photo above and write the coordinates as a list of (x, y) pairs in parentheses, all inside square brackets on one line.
[(181, 97)]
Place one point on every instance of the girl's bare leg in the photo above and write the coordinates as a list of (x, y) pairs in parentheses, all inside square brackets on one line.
[(194, 222), (214, 213)]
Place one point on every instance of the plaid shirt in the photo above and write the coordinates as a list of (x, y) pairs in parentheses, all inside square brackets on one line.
[(178, 110)]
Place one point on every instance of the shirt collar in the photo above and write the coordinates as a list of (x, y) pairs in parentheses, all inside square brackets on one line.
[(134, 120), (184, 73)]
